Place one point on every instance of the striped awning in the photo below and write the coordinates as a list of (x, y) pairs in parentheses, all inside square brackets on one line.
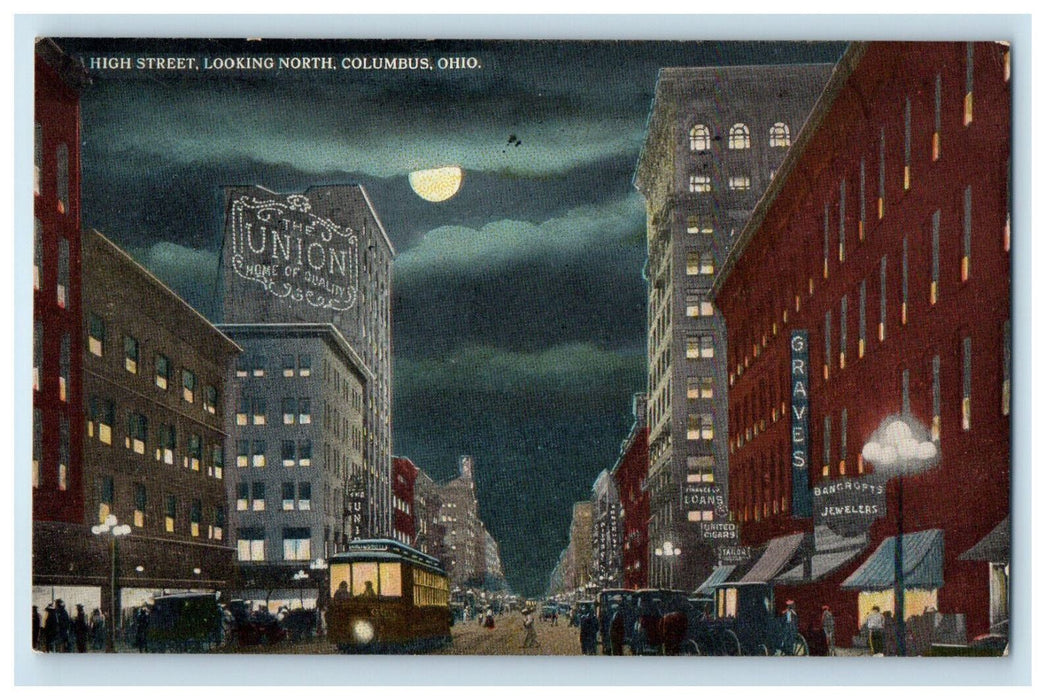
[(922, 564), (719, 576), (776, 556), (993, 548)]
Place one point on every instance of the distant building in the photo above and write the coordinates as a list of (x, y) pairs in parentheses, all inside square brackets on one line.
[(154, 389), (403, 478), (606, 532), (629, 475), (875, 275), (465, 536), (295, 412), (715, 138), (427, 512), (321, 257), (580, 569)]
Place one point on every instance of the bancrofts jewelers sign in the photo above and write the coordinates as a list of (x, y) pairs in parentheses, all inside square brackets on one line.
[(849, 506), (293, 253)]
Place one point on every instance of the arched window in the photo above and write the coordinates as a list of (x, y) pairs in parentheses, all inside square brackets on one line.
[(739, 137), (699, 137), (779, 135)]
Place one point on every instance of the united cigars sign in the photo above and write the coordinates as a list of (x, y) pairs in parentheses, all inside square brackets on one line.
[(799, 417), (278, 242), (849, 506)]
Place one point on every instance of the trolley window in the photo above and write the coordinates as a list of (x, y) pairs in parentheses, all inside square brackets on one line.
[(339, 575), (370, 579)]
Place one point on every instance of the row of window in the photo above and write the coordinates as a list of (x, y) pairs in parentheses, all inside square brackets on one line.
[(61, 476), (293, 453), (62, 282), (142, 516), (294, 497), (296, 544), (700, 139), (63, 386), (293, 411), (163, 368), (62, 170), (256, 365)]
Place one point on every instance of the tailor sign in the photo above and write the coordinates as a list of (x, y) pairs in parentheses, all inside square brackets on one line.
[(849, 506), (733, 554), (278, 242), (799, 417)]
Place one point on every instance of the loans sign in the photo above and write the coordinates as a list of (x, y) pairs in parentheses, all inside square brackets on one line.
[(799, 417), (707, 498), (279, 243)]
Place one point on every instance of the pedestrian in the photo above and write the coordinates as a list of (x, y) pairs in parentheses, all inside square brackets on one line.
[(50, 627), (875, 631), (97, 623), (80, 629), (142, 626), (63, 627), (790, 629), (829, 627), (36, 629), (616, 631), (588, 626), (489, 623), (891, 641), (530, 637)]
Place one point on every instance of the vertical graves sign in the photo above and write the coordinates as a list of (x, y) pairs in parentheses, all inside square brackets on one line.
[(799, 418), (281, 244)]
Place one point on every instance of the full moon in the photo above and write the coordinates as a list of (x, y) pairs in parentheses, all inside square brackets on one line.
[(437, 184)]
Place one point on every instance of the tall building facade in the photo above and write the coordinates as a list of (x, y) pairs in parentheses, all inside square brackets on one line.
[(322, 256), (427, 514), (403, 480), (715, 138), (58, 412), (152, 439), (630, 475), (468, 560), (295, 412), (606, 531), (874, 276)]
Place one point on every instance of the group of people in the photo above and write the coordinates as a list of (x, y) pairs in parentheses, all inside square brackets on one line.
[(58, 631)]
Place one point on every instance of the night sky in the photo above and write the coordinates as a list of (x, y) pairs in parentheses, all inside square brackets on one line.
[(519, 312)]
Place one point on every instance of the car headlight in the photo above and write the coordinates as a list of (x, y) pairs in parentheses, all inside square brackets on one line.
[(363, 631)]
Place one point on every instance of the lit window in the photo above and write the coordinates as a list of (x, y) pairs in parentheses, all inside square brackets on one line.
[(259, 453), (241, 366), (193, 458), (296, 544), (739, 137), (305, 411), (170, 513), (1007, 368), (693, 305), (258, 366), (241, 491), (62, 178), (700, 468), (131, 354), (105, 497), (250, 544), (779, 135), (216, 469), (288, 495), (692, 224), (827, 428), (826, 243), (826, 347), (304, 500), (936, 398), (967, 231), (288, 453), (136, 438), (139, 514), (219, 522), (288, 365), (882, 307), (903, 290), (844, 332), (693, 262), (693, 391), (259, 496), (96, 335), (241, 417), (881, 177), (189, 386), (195, 518), (166, 442), (305, 365), (707, 308), (289, 411), (862, 318), (967, 382), (967, 110), (934, 282), (693, 347), (844, 441), (38, 444), (243, 453), (699, 137), (305, 453), (63, 467), (211, 399), (937, 90), (38, 353), (906, 146), (739, 182), (162, 371), (259, 411), (700, 183), (62, 287)]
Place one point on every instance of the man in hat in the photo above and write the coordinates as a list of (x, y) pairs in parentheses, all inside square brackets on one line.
[(63, 628), (829, 627), (790, 630)]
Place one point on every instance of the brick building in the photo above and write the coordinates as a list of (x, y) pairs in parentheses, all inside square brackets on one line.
[(322, 256), (403, 480), (715, 137), (876, 268), (629, 475), (295, 411)]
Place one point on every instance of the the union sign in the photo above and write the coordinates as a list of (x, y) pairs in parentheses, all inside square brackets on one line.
[(279, 243)]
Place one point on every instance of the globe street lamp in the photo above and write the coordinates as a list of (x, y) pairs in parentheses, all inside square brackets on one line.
[(110, 528), (899, 447), (300, 576), (668, 550), (320, 565)]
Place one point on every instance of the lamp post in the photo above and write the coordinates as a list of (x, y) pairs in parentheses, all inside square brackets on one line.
[(899, 447), (110, 528), (320, 565), (667, 550), (299, 577)]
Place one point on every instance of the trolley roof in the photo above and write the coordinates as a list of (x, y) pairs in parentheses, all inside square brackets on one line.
[(384, 550)]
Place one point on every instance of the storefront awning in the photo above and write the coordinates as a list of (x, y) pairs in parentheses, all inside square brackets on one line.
[(993, 548), (776, 555), (922, 564), (719, 576), (832, 551)]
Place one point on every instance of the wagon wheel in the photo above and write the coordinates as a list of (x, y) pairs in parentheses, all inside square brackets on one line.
[(730, 643), (800, 646), (690, 648)]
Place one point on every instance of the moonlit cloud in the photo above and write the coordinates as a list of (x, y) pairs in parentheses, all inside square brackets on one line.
[(467, 250)]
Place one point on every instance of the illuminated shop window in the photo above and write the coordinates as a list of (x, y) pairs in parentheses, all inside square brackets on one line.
[(699, 137), (779, 135), (739, 137)]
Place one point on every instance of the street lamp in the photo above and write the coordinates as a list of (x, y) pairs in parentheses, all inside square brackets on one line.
[(667, 550), (110, 528), (300, 576), (900, 446)]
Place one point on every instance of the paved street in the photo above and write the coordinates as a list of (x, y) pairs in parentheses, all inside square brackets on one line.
[(507, 638)]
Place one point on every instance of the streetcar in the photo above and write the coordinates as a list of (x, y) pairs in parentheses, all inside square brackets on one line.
[(387, 597)]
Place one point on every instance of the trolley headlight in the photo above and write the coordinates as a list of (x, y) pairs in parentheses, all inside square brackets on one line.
[(363, 631)]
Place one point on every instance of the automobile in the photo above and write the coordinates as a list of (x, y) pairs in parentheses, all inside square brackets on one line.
[(609, 601), (549, 613), (745, 623), (184, 622), (649, 635)]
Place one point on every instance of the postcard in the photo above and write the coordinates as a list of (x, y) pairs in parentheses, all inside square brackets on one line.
[(474, 347)]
